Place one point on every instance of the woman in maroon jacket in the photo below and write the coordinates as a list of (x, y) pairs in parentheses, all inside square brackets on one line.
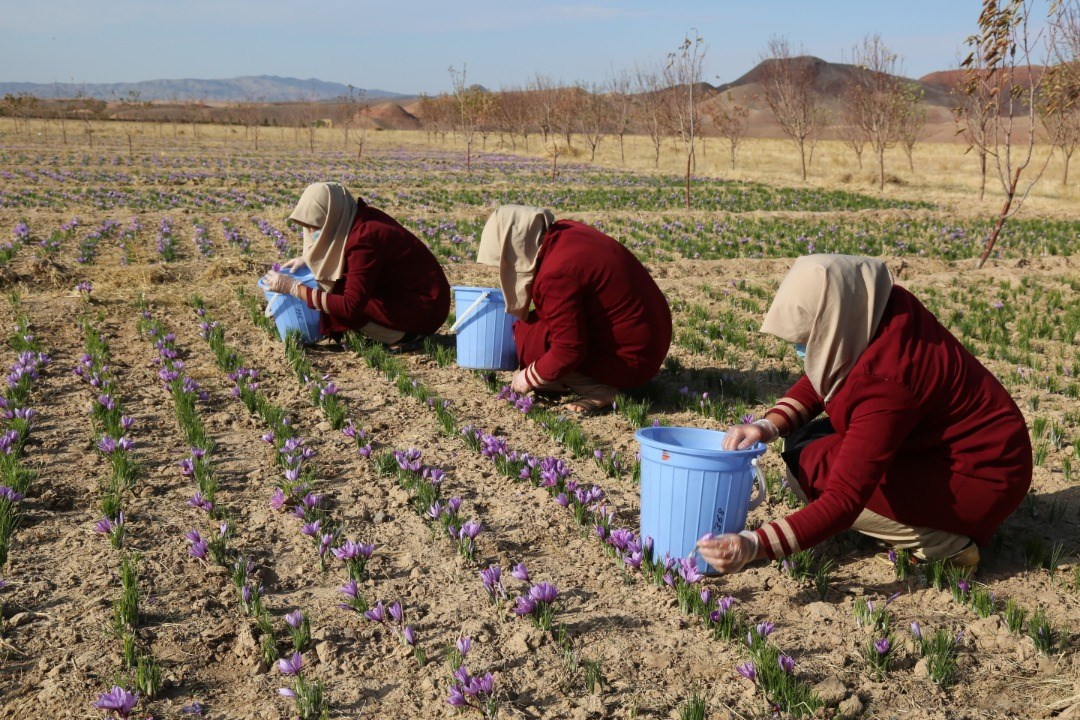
[(922, 448), (600, 324), (374, 276)]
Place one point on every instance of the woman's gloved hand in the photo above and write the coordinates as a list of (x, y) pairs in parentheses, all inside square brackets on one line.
[(519, 384), (740, 437), (729, 553), (293, 265), (279, 283)]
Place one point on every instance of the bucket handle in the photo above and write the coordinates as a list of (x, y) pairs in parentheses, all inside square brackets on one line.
[(469, 311), (762, 489)]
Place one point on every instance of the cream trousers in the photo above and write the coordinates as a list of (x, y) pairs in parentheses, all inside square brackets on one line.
[(925, 543)]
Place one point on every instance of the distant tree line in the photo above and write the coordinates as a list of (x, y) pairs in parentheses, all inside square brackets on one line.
[(668, 101)]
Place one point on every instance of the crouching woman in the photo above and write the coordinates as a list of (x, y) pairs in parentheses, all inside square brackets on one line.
[(922, 449), (600, 322), (374, 276)]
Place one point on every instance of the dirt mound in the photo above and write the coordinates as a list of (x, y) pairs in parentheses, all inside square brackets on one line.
[(390, 116)]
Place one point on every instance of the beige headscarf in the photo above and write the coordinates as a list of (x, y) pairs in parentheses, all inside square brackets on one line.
[(331, 208), (833, 303), (511, 241)]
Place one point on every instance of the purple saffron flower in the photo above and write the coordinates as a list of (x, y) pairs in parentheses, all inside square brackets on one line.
[(764, 629), (292, 665), (195, 708), (916, 630), (470, 529), (311, 529), (375, 614), (561, 499), (486, 683), (106, 444), (294, 619), (198, 501), (246, 595), (198, 550), (457, 697), (286, 692), (396, 612), (118, 700), (351, 589), (525, 605), (882, 646), (787, 664), (187, 467), (278, 499), (544, 592), (409, 635), (520, 572), (464, 644), (964, 585), (747, 670), (491, 576)]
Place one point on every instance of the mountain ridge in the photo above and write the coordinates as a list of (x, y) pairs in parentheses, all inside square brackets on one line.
[(255, 88)]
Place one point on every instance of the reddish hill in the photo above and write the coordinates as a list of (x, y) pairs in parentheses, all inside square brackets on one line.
[(389, 116)]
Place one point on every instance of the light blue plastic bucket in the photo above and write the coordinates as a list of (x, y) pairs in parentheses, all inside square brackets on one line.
[(291, 313), (689, 487), (485, 332)]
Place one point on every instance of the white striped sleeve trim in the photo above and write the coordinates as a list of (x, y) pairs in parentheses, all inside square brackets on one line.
[(532, 377), (785, 527), (796, 413), (775, 549)]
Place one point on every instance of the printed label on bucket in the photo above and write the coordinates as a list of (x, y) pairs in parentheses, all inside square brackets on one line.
[(664, 456)]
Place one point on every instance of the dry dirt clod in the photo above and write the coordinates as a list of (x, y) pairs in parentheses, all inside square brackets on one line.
[(850, 708), (831, 690)]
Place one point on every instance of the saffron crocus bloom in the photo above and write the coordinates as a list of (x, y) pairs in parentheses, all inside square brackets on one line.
[(525, 605), (747, 670), (198, 549), (882, 646), (764, 629), (278, 499), (286, 692), (396, 612), (520, 572), (409, 635), (118, 700), (491, 576), (292, 665), (787, 664), (544, 592), (294, 619), (311, 529), (375, 614), (456, 698), (464, 644), (106, 444), (187, 467), (351, 589), (916, 630), (470, 529), (198, 501), (964, 585)]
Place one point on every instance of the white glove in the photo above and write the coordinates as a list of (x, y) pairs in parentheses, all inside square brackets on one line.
[(729, 553), (519, 384), (294, 264), (279, 283)]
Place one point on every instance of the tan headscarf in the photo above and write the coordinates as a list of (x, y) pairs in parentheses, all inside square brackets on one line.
[(511, 241), (331, 208), (833, 303)]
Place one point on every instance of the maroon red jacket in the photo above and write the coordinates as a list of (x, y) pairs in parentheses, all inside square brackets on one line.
[(925, 435), (390, 278), (598, 311)]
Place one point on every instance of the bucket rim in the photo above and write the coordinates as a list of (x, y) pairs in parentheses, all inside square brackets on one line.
[(472, 288), (644, 437)]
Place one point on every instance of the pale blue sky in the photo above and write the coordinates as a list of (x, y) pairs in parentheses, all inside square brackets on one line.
[(407, 45)]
